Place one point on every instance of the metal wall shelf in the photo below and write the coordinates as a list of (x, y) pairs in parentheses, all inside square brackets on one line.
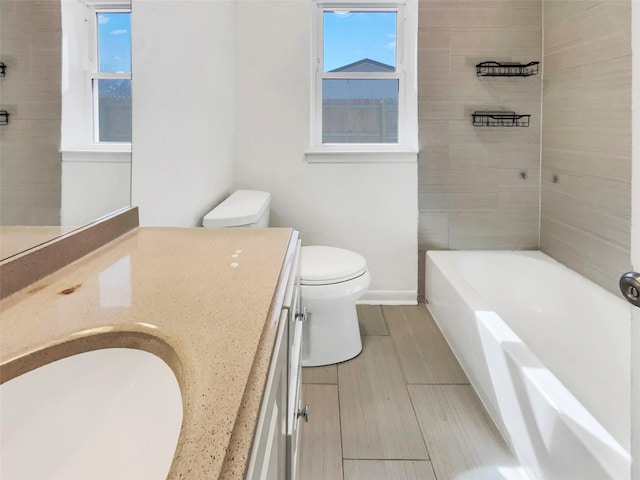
[(499, 119), (506, 69)]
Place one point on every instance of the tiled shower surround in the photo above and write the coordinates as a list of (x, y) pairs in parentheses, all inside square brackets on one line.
[(471, 191), (586, 137), (30, 46)]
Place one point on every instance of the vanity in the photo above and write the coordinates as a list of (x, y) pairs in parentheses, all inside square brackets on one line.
[(219, 306)]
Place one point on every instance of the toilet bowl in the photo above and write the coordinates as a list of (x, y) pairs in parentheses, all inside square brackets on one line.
[(331, 279)]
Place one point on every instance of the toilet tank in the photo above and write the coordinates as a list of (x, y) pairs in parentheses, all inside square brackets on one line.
[(243, 208)]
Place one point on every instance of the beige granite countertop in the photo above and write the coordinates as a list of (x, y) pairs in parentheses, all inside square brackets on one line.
[(199, 298)]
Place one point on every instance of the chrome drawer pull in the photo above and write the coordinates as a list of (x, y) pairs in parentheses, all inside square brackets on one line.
[(302, 316), (304, 412)]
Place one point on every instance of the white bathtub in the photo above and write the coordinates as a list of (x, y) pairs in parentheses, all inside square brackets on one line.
[(548, 353)]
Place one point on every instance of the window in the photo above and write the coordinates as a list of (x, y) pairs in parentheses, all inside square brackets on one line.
[(110, 75), (360, 85), (96, 76)]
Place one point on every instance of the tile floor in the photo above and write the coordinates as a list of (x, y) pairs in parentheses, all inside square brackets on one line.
[(402, 410)]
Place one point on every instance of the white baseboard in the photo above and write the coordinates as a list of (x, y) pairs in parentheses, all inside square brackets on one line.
[(389, 297)]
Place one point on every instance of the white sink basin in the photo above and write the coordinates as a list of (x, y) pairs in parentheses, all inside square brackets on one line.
[(107, 414)]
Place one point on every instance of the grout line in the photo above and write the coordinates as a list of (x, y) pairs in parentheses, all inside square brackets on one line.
[(437, 383), (362, 321), (402, 368), (433, 469), (340, 419), (404, 382), (415, 414), (389, 459), (384, 319)]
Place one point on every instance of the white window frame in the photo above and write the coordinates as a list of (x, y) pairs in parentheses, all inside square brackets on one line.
[(79, 61), (406, 40), (93, 73)]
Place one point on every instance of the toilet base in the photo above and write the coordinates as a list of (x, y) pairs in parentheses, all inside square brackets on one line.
[(331, 336)]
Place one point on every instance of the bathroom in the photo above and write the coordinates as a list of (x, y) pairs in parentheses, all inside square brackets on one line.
[(226, 95)]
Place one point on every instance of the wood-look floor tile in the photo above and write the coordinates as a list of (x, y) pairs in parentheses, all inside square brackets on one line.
[(371, 320), (376, 414), (388, 470), (423, 352), (326, 374), (320, 445), (462, 439)]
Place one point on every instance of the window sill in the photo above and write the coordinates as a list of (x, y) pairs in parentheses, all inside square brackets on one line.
[(97, 154), (99, 148), (362, 155)]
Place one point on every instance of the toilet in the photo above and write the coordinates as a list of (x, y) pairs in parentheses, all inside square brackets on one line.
[(331, 278)]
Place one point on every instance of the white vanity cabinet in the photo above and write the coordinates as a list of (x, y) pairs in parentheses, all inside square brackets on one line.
[(275, 451)]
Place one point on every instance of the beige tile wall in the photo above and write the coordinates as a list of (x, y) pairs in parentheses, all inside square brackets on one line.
[(471, 194), (586, 137), (30, 168)]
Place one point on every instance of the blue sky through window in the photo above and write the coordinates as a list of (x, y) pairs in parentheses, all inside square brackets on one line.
[(114, 42), (352, 36)]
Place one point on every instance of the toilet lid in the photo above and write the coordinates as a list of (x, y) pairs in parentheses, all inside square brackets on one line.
[(326, 265), (242, 207)]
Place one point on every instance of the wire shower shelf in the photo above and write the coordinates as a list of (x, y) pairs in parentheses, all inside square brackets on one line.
[(499, 119), (506, 69)]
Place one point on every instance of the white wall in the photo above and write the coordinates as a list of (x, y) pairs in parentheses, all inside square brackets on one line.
[(369, 208), (76, 125), (93, 185), (184, 108)]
